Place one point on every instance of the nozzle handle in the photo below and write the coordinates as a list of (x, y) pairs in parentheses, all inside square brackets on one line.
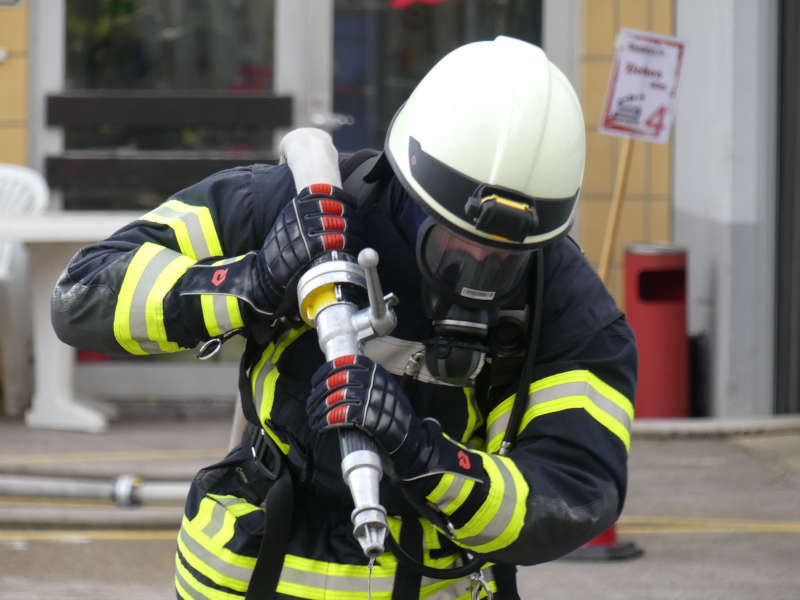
[(381, 318)]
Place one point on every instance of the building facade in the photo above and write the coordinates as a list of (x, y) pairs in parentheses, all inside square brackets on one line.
[(723, 187)]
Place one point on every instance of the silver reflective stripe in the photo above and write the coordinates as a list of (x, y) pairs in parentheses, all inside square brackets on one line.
[(217, 520), (564, 390), (393, 354), (453, 490), (258, 393), (187, 587), (335, 583), (221, 313), (138, 314), (497, 525), (498, 426), (581, 388), (199, 249), (241, 574)]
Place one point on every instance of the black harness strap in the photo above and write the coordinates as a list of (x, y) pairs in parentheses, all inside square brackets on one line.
[(407, 580), (278, 508)]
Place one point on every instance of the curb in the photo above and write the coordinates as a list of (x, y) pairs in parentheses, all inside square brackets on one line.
[(36, 516), (704, 427)]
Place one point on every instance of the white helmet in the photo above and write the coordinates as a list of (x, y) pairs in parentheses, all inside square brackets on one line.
[(492, 144)]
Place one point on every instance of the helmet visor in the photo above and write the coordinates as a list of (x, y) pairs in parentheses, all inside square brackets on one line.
[(468, 268)]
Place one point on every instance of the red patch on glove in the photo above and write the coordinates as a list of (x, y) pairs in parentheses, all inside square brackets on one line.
[(333, 223), (331, 207), (337, 415), (337, 379), (333, 241), (335, 397)]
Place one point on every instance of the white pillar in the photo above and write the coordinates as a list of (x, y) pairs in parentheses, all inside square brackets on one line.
[(725, 172), (47, 32)]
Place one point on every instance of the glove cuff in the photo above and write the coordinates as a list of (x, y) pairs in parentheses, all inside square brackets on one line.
[(230, 293), (427, 452)]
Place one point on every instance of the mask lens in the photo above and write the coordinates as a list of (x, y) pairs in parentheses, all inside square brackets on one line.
[(470, 269)]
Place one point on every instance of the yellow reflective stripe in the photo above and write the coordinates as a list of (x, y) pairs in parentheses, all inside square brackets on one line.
[(496, 424), (209, 314), (185, 579), (154, 311), (205, 568), (308, 578), (444, 484), (122, 311), (193, 227), (514, 524), (474, 417), (578, 389), (265, 373), (581, 389), (139, 313), (451, 492), (234, 312), (284, 447), (498, 522), (490, 506), (221, 311), (200, 527), (460, 498)]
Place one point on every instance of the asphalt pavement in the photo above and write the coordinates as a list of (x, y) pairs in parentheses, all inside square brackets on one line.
[(713, 504)]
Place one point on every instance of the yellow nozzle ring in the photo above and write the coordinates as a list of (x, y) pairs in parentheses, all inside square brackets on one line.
[(316, 300)]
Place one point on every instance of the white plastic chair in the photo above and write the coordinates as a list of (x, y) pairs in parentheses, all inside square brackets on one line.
[(22, 191)]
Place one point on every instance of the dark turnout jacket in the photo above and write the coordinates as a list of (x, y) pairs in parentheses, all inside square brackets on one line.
[(563, 483)]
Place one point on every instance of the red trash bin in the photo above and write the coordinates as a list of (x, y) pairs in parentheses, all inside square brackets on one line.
[(655, 303)]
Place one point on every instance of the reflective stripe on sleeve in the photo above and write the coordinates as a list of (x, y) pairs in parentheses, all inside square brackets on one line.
[(451, 492), (498, 522), (221, 311), (193, 227), (564, 391), (265, 372), (139, 314)]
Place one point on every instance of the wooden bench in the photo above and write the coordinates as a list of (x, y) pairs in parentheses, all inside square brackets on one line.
[(154, 110)]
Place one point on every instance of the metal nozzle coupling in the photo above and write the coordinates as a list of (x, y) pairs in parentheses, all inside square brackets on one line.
[(362, 472)]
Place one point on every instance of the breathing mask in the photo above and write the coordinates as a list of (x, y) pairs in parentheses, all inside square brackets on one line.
[(465, 284)]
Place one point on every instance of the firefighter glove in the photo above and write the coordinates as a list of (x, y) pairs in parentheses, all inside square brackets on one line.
[(319, 219), (353, 391)]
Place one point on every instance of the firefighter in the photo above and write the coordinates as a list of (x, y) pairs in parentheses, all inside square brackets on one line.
[(502, 401)]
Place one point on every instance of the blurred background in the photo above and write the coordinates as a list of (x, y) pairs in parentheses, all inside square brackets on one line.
[(119, 103)]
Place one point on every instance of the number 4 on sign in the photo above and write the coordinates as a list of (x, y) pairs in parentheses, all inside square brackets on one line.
[(656, 120)]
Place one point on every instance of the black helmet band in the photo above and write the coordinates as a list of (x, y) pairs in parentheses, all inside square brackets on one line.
[(508, 216)]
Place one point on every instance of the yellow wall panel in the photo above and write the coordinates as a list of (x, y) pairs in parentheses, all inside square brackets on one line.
[(14, 28), (14, 145), (660, 220), (601, 151), (639, 171), (592, 222), (662, 17), (13, 89), (661, 169), (634, 14), (599, 26), (594, 81)]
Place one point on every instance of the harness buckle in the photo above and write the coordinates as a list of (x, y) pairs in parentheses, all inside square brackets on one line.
[(264, 453)]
